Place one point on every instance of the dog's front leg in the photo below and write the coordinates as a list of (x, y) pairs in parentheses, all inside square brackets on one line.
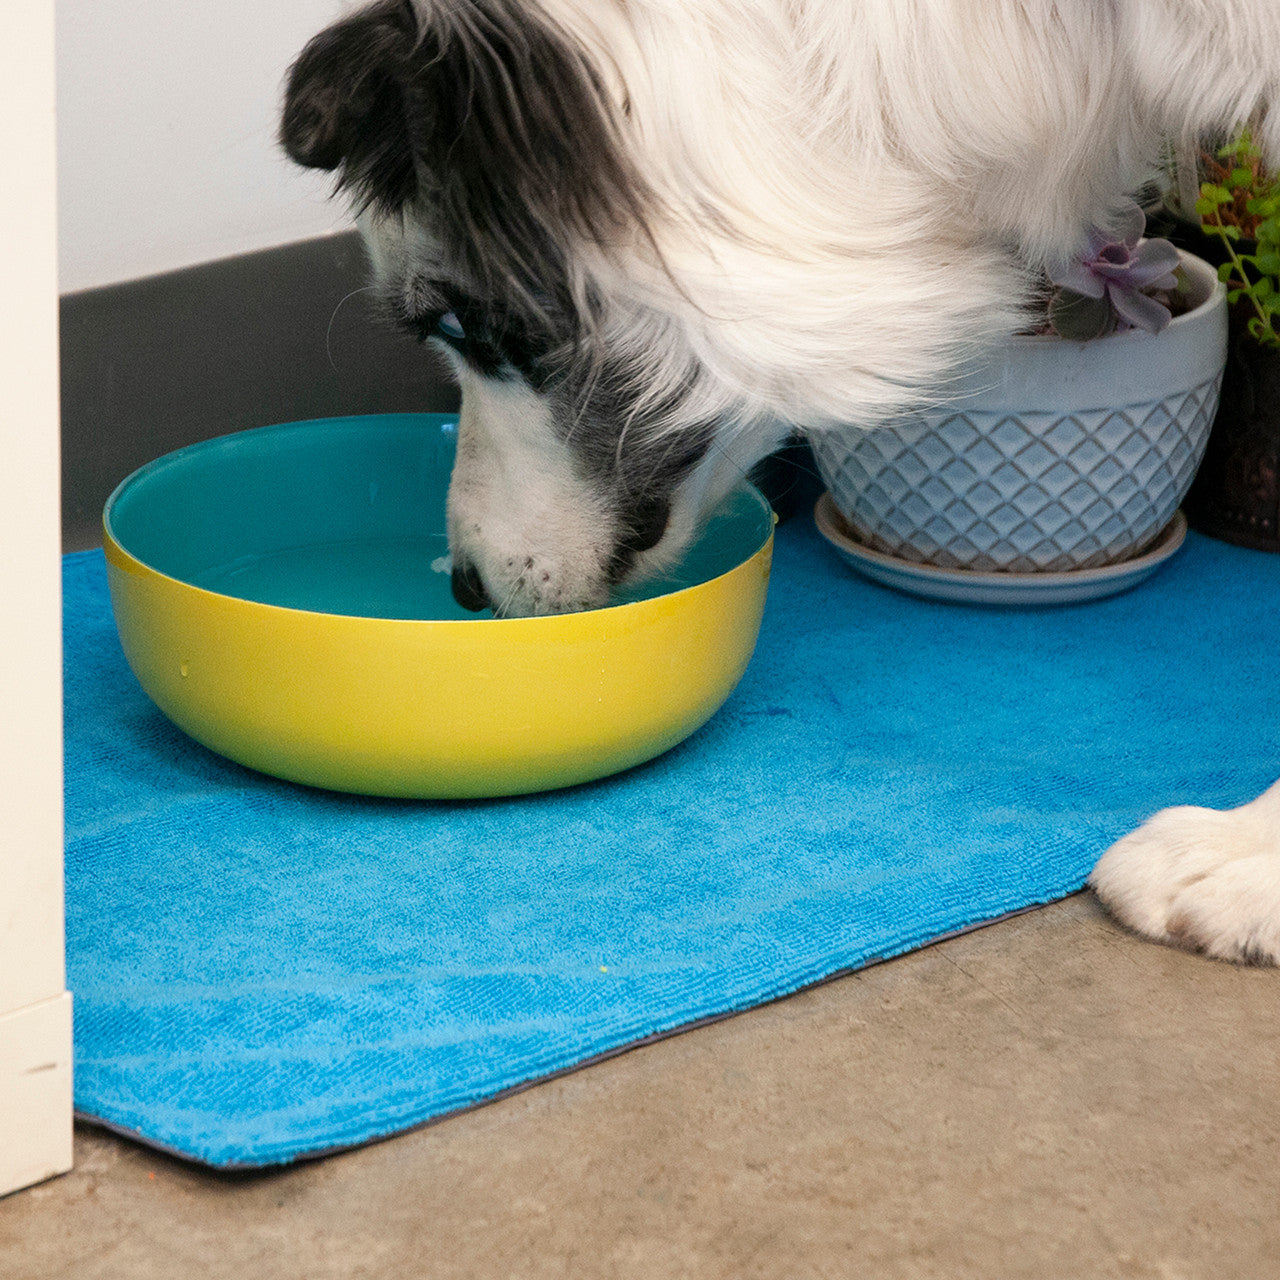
[(1204, 879)]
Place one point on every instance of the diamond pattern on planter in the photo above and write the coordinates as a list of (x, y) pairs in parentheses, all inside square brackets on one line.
[(1026, 492)]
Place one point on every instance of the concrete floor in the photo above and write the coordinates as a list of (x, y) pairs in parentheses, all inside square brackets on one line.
[(1048, 1097)]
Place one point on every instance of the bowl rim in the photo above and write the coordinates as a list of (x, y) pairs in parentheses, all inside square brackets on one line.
[(114, 549)]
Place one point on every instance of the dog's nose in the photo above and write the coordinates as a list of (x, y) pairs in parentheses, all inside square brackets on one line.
[(468, 590)]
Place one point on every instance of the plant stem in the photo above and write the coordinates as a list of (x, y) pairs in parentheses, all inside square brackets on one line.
[(1238, 267)]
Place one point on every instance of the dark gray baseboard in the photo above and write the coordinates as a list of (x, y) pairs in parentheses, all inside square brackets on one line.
[(275, 336)]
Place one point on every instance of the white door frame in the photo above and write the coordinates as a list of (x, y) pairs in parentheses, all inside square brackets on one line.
[(35, 1009)]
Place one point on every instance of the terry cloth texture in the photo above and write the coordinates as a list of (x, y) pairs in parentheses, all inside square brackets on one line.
[(262, 971)]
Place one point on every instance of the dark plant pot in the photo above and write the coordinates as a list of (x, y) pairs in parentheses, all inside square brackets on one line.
[(1236, 492), (789, 479)]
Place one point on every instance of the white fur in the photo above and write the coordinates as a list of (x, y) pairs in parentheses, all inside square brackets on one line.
[(846, 200), (545, 533), (852, 190), (1201, 878), (851, 194)]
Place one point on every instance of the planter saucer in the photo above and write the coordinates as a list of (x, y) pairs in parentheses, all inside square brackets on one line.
[(965, 586)]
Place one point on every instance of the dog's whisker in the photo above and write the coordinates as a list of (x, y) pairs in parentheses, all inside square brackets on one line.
[(328, 333), (503, 610)]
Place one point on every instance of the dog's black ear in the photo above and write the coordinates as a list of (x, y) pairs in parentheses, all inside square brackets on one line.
[(487, 113), (346, 103), (524, 147)]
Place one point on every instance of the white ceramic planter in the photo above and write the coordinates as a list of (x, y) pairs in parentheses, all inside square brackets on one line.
[(1051, 456)]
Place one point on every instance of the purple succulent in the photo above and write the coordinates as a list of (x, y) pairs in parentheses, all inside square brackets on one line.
[(1122, 268)]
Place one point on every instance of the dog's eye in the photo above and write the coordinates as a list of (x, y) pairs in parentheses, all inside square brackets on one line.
[(449, 327)]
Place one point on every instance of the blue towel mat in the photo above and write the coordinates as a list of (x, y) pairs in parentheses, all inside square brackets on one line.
[(263, 972)]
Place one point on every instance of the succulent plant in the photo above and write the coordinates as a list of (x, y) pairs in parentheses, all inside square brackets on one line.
[(1112, 283)]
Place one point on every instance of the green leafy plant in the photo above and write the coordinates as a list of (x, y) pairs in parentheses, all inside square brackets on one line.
[(1240, 203)]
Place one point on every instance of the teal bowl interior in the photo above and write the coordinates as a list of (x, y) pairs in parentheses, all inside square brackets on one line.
[(346, 516)]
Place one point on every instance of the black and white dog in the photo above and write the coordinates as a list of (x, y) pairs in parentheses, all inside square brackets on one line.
[(652, 235)]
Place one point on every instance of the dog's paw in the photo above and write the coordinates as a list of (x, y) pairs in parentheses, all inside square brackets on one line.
[(1204, 879)]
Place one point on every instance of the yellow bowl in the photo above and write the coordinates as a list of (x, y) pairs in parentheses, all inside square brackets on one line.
[(282, 595)]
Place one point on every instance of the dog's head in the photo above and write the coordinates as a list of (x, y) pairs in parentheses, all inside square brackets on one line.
[(483, 155)]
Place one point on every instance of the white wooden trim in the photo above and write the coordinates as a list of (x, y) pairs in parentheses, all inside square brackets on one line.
[(35, 1093), (35, 1019)]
